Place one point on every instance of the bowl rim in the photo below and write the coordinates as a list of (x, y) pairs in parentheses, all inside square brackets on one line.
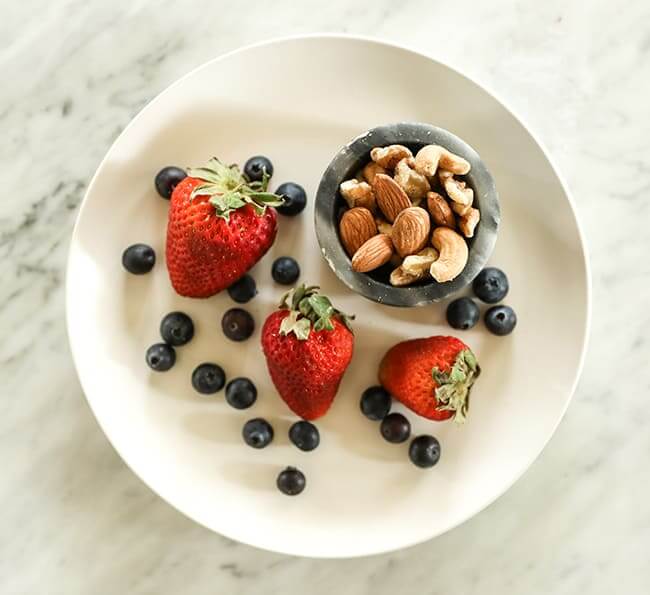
[(341, 167)]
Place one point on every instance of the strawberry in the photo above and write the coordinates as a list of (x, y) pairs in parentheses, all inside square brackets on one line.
[(432, 376), (219, 226), (308, 346)]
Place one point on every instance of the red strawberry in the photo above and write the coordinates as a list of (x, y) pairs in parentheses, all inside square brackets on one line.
[(219, 227), (308, 346), (433, 376)]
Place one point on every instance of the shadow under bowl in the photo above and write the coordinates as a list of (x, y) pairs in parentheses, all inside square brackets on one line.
[(375, 285)]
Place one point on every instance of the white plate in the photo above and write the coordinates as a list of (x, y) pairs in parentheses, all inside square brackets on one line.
[(298, 100)]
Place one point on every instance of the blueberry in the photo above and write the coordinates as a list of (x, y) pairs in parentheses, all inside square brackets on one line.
[(241, 393), (177, 328), (395, 428), (237, 324), (463, 313), (375, 403), (208, 378), (243, 290), (138, 259), (424, 451), (500, 320), (291, 481), (304, 435), (285, 270), (491, 285), (167, 179), (160, 357), (257, 432), (294, 196), (254, 168)]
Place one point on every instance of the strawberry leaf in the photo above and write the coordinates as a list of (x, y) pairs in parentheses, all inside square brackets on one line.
[(310, 309), (267, 198), (229, 190), (299, 326), (453, 388), (304, 306)]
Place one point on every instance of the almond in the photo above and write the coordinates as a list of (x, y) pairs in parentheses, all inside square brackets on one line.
[(391, 199), (411, 231), (440, 210), (372, 254), (356, 227)]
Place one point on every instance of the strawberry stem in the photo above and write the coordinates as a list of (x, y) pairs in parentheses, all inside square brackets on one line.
[(454, 387), (309, 309), (229, 190)]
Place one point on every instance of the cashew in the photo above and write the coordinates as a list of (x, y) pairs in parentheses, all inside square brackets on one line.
[(453, 254), (468, 222), (413, 183), (430, 157), (444, 175), (383, 226), (371, 170), (426, 160), (440, 210), (358, 194), (390, 156), (454, 163), (457, 190), (413, 268), (400, 278), (420, 263), (459, 209)]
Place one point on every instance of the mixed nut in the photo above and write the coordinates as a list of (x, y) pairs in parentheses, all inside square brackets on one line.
[(411, 211)]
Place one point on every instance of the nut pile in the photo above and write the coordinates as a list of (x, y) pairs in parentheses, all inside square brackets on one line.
[(410, 211)]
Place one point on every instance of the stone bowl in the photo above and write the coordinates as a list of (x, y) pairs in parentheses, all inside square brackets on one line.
[(375, 285)]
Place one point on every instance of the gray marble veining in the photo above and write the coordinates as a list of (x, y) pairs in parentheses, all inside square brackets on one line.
[(76, 520)]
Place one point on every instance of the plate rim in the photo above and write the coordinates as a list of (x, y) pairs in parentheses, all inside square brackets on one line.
[(391, 44)]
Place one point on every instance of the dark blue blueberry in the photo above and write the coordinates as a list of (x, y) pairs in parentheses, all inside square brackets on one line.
[(304, 435), (295, 198), (285, 270), (491, 285), (177, 328), (424, 451), (463, 313), (291, 481), (241, 393), (167, 179), (208, 378), (160, 357), (243, 290), (500, 320), (254, 168), (237, 324), (395, 428), (138, 259), (257, 432), (375, 403)]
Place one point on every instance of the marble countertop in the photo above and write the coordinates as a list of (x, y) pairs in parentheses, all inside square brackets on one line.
[(74, 517)]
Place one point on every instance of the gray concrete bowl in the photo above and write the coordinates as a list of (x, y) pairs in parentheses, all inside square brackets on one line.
[(329, 206)]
